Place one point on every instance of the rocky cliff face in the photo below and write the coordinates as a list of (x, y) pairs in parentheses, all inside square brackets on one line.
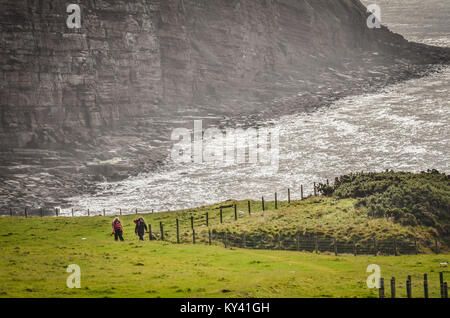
[(144, 57)]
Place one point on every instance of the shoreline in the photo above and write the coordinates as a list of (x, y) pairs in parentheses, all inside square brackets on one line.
[(36, 178)]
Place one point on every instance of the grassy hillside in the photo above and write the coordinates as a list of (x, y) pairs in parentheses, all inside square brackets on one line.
[(36, 252)]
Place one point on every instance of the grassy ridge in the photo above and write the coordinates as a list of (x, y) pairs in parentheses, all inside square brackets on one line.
[(36, 252)]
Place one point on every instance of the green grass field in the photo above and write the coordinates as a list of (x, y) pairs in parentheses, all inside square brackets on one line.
[(37, 251)]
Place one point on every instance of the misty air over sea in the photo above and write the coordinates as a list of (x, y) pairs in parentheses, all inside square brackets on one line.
[(403, 127)]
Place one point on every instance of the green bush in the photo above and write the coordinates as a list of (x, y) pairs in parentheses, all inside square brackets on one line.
[(408, 198)]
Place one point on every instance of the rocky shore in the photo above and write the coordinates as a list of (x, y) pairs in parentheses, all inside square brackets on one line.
[(79, 107)]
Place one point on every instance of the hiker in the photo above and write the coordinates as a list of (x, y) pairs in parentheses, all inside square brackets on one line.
[(117, 229), (140, 228)]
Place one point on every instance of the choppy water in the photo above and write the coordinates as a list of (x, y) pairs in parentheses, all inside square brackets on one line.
[(405, 127)]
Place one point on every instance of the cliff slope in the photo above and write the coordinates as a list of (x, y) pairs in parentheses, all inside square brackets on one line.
[(152, 57)]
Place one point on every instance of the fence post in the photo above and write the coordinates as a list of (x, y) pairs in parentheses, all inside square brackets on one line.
[(395, 247), (10, 212), (441, 282), (301, 192), (150, 236), (72, 212), (221, 219), (393, 287), (316, 244), (289, 195), (42, 212), (328, 182), (249, 208), (209, 237), (207, 219), (408, 287), (415, 246), (56, 211), (136, 211), (26, 214), (162, 230), (178, 232), (193, 235), (88, 213), (375, 251), (425, 285), (335, 247), (276, 203), (104, 212), (235, 212), (381, 290), (192, 222), (120, 212), (437, 245), (263, 203)]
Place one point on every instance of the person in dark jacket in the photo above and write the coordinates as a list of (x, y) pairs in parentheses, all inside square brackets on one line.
[(117, 229), (140, 228)]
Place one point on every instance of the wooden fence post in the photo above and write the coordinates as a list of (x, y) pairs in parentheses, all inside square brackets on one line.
[(408, 287), (425, 285), (193, 235), (395, 247), (209, 237), (289, 195), (88, 213), (192, 222), (42, 212), (104, 214), (328, 182), (162, 230), (235, 212), (10, 212), (72, 212), (441, 283), (416, 246), (375, 251), (56, 212), (262, 204), (381, 290), (207, 219), (136, 211), (393, 287), (26, 214), (120, 212), (249, 208), (276, 203), (150, 236), (221, 218), (301, 192), (178, 232), (316, 244), (335, 247)]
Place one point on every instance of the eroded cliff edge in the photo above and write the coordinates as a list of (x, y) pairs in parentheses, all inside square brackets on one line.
[(133, 58), (63, 89)]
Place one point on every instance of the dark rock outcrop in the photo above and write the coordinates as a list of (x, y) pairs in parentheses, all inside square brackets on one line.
[(144, 57)]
